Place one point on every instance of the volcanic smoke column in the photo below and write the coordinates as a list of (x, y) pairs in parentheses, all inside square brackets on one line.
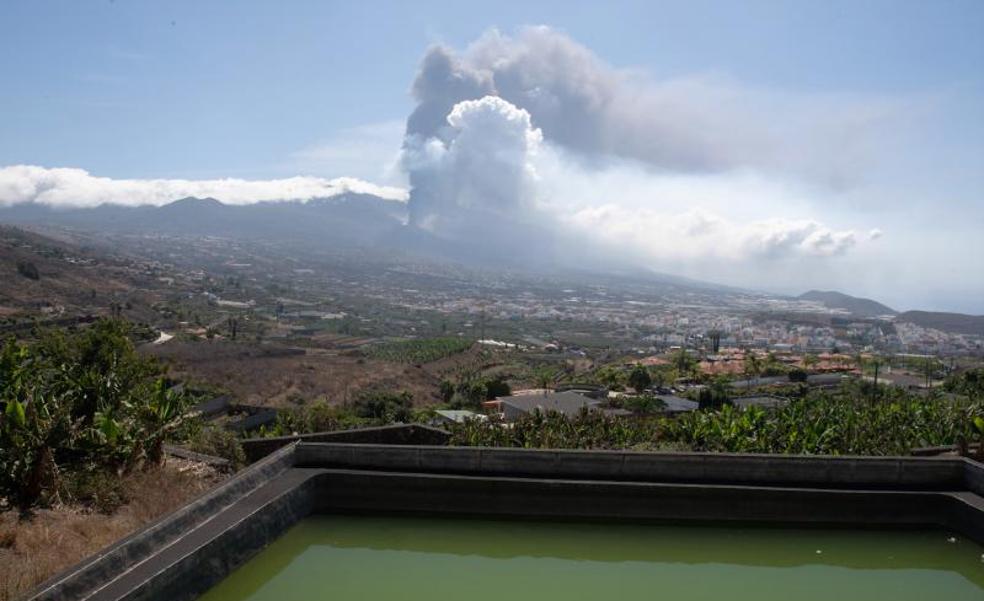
[(475, 171)]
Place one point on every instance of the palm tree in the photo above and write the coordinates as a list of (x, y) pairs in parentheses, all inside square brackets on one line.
[(877, 363), (753, 367), (545, 378)]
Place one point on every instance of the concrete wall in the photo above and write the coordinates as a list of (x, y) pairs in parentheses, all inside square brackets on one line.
[(909, 473), (207, 554), (369, 491), (79, 580), (973, 476), (401, 434), (189, 551)]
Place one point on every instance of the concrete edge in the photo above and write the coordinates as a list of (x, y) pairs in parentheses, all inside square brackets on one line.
[(183, 453), (394, 434), (213, 550), (923, 473), (205, 555), (211, 518), (78, 580)]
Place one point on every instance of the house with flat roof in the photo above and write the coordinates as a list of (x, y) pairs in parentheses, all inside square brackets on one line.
[(455, 416), (763, 400), (677, 404), (514, 406)]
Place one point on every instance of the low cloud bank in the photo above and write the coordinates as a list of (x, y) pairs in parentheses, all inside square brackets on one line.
[(69, 187)]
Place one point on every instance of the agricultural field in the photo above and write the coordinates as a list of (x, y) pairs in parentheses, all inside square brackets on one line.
[(419, 351)]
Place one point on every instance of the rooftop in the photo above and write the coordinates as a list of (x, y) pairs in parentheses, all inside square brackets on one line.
[(568, 403)]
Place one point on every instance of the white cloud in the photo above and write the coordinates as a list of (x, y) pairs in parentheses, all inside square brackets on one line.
[(728, 218), (482, 171), (70, 187)]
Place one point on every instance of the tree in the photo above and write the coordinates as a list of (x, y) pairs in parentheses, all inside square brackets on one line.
[(659, 376), (715, 338), (28, 270), (496, 387), (715, 395), (772, 365), (753, 367), (810, 361), (545, 377), (645, 405), (639, 378), (685, 364), (447, 389), (384, 407), (874, 365), (929, 369), (969, 383), (797, 375)]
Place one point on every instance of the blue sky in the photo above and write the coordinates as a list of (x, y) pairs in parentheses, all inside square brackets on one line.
[(201, 90)]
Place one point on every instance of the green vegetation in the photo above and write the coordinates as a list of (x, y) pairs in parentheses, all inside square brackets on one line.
[(423, 350), (646, 404), (589, 430), (716, 394), (470, 389), (819, 423), (79, 403), (370, 408), (639, 378), (969, 383), (210, 439)]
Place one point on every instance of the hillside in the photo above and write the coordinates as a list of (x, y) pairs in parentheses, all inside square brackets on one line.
[(344, 220), (862, 307), (956, 323), (44, 277)]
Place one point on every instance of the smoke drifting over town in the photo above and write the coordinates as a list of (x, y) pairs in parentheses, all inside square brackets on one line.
[(535, 129)]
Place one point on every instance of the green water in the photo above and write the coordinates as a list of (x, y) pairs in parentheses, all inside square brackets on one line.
[(345, 558)]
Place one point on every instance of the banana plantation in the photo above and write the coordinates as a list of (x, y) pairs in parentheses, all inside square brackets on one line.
[(836, 423), (79, 403)]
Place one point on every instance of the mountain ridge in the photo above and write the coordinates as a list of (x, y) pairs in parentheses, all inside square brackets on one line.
[(832, 299), (956, 323)]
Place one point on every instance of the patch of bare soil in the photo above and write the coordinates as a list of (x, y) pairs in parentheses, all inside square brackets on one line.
[(36, 548), (259, 374)]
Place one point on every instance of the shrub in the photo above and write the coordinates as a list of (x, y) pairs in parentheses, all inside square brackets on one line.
[(78, 401), (218, 442), (384, 407), (100, 488), (644, 405), (639, 378), (28, 270)]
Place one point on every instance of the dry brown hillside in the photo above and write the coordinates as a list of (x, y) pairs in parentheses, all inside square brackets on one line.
[(41, 276)]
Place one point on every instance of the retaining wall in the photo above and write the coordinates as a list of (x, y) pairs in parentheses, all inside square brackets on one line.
[(910, 473), (79, 581), (400, 434), (185, 553)]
